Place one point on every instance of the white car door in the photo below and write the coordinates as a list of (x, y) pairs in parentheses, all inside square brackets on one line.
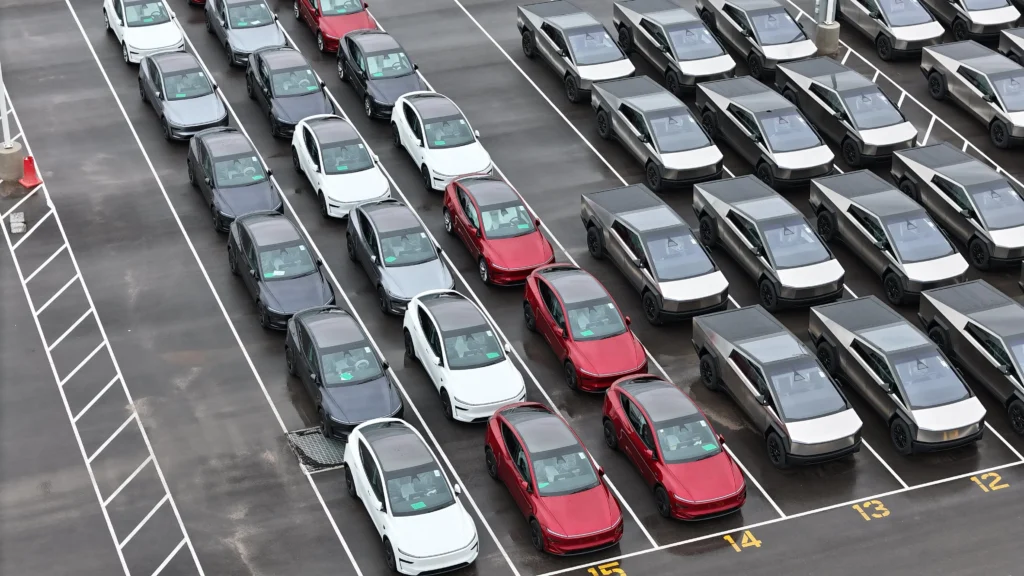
[(115, 16), (412, 134), (309, 157), (371, 491), (431, 347)]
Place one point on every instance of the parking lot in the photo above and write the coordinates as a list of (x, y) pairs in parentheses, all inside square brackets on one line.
[(148, 423)]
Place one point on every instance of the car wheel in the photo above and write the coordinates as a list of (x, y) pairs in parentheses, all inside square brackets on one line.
[(827, 357), (790, 96), (979, 254), (710, 123), (755, 65), (229, 54), (368, 107), (776, 450), (652, 176), (998, 133), (325, 425), (215, 218), (595, 243), (124, 53), (826, 225), (708, 231), (273, 124), (709, 372), (191, 174), (571, 377), (491, 463), (382, 300), (319, 41), (626, 40), (396, 138), (425, 176), (604, 125), (894, 292), (938, 336), (672, 82), (142, 91), (106, 22), (536, 535), (295, 10), (883, 45), (528, 47), (324, 210), (232, 262), (447, 217), (1015, 412), (389, 556), (910, 189), (708, 19), (341, 70), (768, 295), (350, 247), (446, 406), (166, 129), (610, 437), (662, 502), (410, 350), (295, 161), (289, 360), (851, 153), (531, 321), (484, 271), (961, 31), (764, 172), (651, 309), (209, 25), (264, 316), (572, 89), (936, 86), (899, 433), (248, 87), (350, 484)]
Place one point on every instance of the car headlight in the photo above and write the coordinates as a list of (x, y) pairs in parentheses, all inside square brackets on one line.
[(684, 500), (553, 533), (442, 174)]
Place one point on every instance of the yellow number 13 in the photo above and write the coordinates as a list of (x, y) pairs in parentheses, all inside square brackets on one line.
[(871, 509), (607, 570)]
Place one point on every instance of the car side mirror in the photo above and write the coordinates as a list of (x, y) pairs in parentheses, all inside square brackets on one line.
[(366, 5), (628, 320), (270, 172), (562, 52), (476, 133), (275, 17), (373, 258), (419, 142), (721, 439), (159, 95), (313, 377), (362, 74), (651, 455), (207, 180), (507, 348), (600, 471), (761, 399), (319, 263), (437, 361), (989, 98), (316, 168), (882, 245), (526, 486), (756, 250), (967, 213), (875, 14), (663, 48), (252, 272), (376, 159), (457, 489), (748, 34), (840, 115), (757, 138), (479, 234), (381, 507), (563, 333), (385, 365), (536, 222), (637, 262), (645, 138), (415, 66), (1005, 369)]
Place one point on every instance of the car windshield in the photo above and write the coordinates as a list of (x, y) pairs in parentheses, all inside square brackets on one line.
[(506, 220), (787, 131), (406, 247), (139, 14), (676, 130), (792, 244), (562, 471), (595, 320), (186, 84), (927, 379), (249, 15), (674, 254), (985, 4), (293, 82), (239, 170), (775, 26), (686, 439), (1010, 87), (999, 204), (349, 364), (803, 390), (388, 64), (693, 41), (448, 132), (345, 157), (916, 238), (870, 108), (904, 12), (339, 7), (418, 490), (472, 348), (285, 261), (592, 46)]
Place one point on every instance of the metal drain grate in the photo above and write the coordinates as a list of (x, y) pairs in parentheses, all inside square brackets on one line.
[(316, 453)]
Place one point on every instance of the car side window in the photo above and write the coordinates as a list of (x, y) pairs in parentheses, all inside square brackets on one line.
[(516, 452), (749, 370), (737, 16), (206, 161), (305, 343), (637, 421), (310, 142), (372, 473), (430, 332), (368, 234), (874, 361), (869, 222), (630, 238), (747, 230), (555, 36), (990, 343), (468, 208), (655, 31), (634, 118), (829, 97), (745, 119), (250, 250), (307, 346), (119, 10), (264, 73), (552, 304), (954, 191), (357, 56), (410, 117), (975, 79)]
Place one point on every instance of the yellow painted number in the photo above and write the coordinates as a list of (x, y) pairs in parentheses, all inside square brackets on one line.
[(871, 509), (747, 541), (994, 481), (607, 570)]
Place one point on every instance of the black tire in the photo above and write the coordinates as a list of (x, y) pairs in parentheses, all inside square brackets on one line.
[(768, 295), (191, 174), (264, 316), (604, 125), (893, 288), (124, 53), (708, 19), (229, 55), (595, 242), (961, 31), (396, 139), (899, 434), (350, 247), (425, 176), (910, 189), (611, 439), (851, 153), (106, 23), (410, 350), (341, 68), (936, 85), (295, 161), (350, 484), (491, 463), (764, 173), (449, 226), (142, 91), (826, 225), (536, 535), (662, 502), (483, 270), (232, 262), (652, 176), (979, 254), (937, 335), (289, 360), (790, 96), (382, 300), (248, 87), (215, 218), (709, 372), (320, 41), (274, 132), (528, 317), (446, 406), (626, 40), (166, 128), (389, 556), (529, 49), (322, 200), (708, 232), (709, 121), (572, 89), (672, 82), (999, 134), (651, 309), (570, 375), (325, 425), (883, 47), (776, 451), (827, 356), (756, 66), (1015, 412), (368, 107)]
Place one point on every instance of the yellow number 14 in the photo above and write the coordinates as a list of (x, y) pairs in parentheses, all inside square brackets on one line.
[(747, 541)]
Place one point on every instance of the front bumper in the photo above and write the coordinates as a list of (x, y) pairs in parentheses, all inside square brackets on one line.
[(810, 296), (1006, 255), (475, 413), (510, 276), (135, 55), (817, 453), (797, 176), (682, 310), (187, 132), (692, 176), (336, 209), (708, 509), (600, 382), (915, 288), (447, 562), (989, 31), (871, 152), (583, 544), (953, 439)]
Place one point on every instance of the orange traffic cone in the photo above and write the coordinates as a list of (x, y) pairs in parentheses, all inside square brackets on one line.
[(30, 176)]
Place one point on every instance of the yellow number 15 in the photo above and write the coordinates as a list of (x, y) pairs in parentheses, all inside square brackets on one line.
[(607, 570)]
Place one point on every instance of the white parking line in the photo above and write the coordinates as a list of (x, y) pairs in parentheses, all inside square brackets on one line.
[(55, 296), (44, 264), (93, 401), (22, 201), (69, 330), (133, 418), (81, 364), (127, 480), (143, 522), (170, 557)]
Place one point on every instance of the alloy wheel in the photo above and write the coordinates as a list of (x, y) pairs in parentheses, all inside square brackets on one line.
[(482, 269), (368, 107)]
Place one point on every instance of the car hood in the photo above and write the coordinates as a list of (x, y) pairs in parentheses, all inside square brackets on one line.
[(690, 159), (694, 288), (813, 275), (388, 90), (194, 111), (524, 251), (244, 199), (791, 51), (606, 71), (408, 281), (252, 39), (338, 26), (486, 385), (615, 355), (294, 294), (809, 158), (434, 533), (164, 35), (937, 268), (951, 416), (466, 159), (712, 478), (293, 109), (889, 135), (1008, 237), (707, 66), (368, 184), (354, 403), (997, 16), (917, 32), (585, 512), (825, 429)]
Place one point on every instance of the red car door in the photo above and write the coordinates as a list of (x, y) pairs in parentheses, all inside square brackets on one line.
[(545, 319), (308, 10), (634, 429), (468, 222), (514, 469)]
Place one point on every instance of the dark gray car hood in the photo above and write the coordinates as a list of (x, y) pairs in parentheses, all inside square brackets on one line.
[(408, 281), (194, 111), (388, 90), (364, 401), (252, 39), (294, 294), (292, 109), (240, 200)]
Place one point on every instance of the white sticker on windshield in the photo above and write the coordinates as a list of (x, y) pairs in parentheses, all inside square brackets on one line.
[(582, 455), (692, 240), (253, 158), (366, 349), (278, 272), (437, 472), (360, 146), (201, 75), (703, 424), (463, 122), (610, 305), (489, 333), (820, 373), (423, 234), (943, 362), (303, 248)]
